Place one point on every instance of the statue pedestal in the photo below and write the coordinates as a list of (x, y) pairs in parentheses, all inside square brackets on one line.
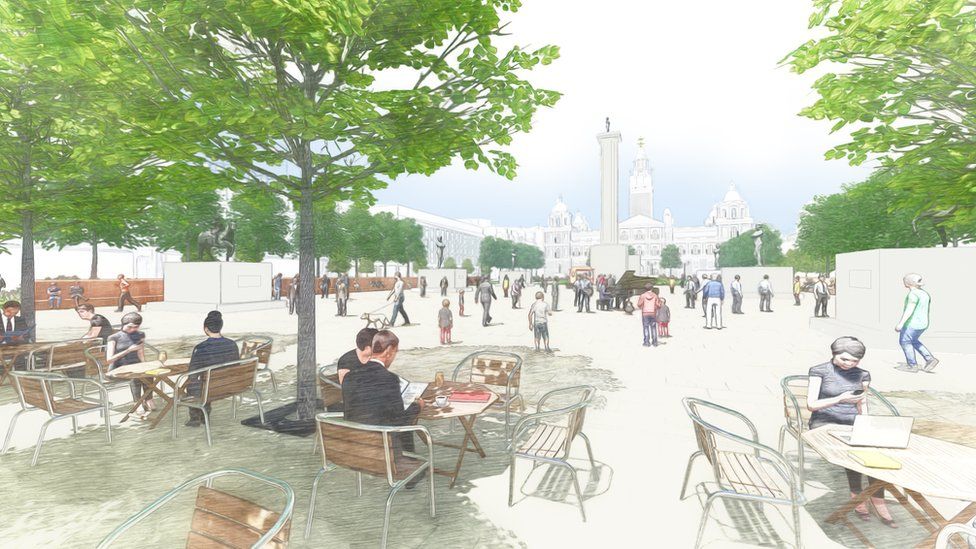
[(456, 278), (228, 287)]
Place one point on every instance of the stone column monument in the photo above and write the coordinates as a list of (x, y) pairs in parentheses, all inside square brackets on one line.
[(609, 257)]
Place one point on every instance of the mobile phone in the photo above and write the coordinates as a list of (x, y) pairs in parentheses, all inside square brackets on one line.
[(858, 392)]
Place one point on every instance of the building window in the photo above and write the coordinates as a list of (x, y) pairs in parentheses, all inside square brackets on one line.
[(725, 213), (623, 235), (655, 234), (696, 250), (656, 250), (639, 235), (734, 213)]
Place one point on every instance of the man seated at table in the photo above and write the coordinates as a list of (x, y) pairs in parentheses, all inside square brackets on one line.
[(99, 326), (356, 358), (13, 328), (214, 350), (371, 394)]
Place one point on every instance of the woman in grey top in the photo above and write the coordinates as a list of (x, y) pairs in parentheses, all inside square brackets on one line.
[(127, 346), (831, 398)]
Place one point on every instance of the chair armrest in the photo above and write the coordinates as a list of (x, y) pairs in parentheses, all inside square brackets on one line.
[(554, 392), (951, 530), (532, 419), (884, 401), (102, 390)]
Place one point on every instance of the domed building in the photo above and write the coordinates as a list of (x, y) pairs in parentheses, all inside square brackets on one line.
[(568, 237)]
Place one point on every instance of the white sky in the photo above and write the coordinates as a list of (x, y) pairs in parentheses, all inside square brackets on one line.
[(698, 80)]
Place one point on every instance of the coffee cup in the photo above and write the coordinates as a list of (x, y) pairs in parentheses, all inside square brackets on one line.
[(440, 401)]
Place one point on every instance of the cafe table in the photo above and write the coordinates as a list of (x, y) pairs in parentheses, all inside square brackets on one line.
[(930, 468), (154, 376), (465, 412)]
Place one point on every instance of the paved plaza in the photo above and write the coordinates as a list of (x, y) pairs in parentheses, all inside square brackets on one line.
[(641, 436)]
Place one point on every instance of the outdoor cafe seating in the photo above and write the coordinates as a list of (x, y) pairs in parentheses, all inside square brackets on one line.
[(40, 391), (218, 382), (261, 347), (220, 518), (743, 468), (494, 369)]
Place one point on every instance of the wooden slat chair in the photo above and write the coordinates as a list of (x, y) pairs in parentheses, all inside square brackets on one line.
[(547, 435), (750, 471), (494, 369), (228, 380), (329, 388), (798, 415), (222, 520), (261, 347), (38, 391), (68, 356), (96, 367), (370, 449)]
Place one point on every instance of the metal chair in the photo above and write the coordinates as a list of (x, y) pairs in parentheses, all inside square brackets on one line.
[(547, 435), (224, 520), (37, 391), (798, 416), (330, 390), (741, 475), (369, 449), (261, 347), (64, 355), (498, 369), (228, 380), (967, 533)]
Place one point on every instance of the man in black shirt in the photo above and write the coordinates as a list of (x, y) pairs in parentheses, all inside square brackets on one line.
[(371, 393), (356, 358), (214, 350), (100, 326)]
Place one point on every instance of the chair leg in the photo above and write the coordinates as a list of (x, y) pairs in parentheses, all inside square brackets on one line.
[(430, 482), (359, 484), (386, 517), (233, 401), (206, 425), (311, 503), (796, 524), (589, 450), (74, 424), (691, 461), (10, 431), (579, 493), (704, 520), (108, 424), (257, 395), (782, 438), (800, 462), (274, 382), (511, 482), (40, 441)]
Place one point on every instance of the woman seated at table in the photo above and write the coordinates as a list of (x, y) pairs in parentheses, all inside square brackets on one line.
[(832, 400), (214, 350), (127, 346)]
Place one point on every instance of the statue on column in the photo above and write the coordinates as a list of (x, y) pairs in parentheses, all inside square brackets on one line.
[(757, 242), (440, 251), (608, 124)]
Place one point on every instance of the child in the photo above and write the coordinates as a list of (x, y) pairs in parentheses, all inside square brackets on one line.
[(663, 318), (461, 301), (445, 321), (539, 321)]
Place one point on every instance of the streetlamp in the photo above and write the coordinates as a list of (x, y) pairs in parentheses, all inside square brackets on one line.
[(513, 259)]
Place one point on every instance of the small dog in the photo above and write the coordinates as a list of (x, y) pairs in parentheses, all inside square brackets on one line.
[(375, 320)]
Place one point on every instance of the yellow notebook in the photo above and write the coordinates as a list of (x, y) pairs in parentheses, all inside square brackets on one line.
[(874, 458), (158, 371)]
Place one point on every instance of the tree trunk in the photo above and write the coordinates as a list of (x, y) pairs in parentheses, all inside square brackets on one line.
[(384, 268), (94, 262), (356, 268), (306, 303), (318, 266), (27, 269)]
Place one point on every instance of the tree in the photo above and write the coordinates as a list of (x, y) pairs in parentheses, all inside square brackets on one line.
[(338, 264), (467, 265), (803, 262), (527, 256), (740, 251), (671, 258), (391, 242), (176, 219), (906, 88), (414, 250), (860, 217), (363, 244), (261, 225), (248, 87), (450, 263)]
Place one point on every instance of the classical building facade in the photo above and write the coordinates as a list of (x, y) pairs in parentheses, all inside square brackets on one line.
[(568, 236)]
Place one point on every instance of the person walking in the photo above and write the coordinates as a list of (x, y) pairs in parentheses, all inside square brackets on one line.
[(577, 285), (649, 303), (422, 283), (125, 296), (796, 293), (539, 314), (461, 301), (545, 283), (736, 288), (586, 291), (324, 286), (664, 319), (515, 292), (484, 295), (398, 296), (691, 292), (765, 295), (444, 285), (506, 283), (341, 296), (54, 295), (704, 280), (913, 323), (293, 293), (276, 287), (445, 321), (555, 293), (713, 295), (821, 295)]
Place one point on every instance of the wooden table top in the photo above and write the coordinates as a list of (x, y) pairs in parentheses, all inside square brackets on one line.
[(453, 409), (929, 466), (139, 370)]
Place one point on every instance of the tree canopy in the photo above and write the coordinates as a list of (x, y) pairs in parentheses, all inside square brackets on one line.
[(740, 251), (261, 225), (671, 257)]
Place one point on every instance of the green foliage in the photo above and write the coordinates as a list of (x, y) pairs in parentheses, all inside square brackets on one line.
[(864, 216), (671, 257), (804, 262), (176, 217), (338, 264), (495, 252), (740, 251), (261, 225), (364, 243), (904, 86), (450, 263), (528, 257), (467, 265)]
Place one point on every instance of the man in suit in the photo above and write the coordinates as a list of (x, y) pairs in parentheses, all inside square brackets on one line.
[(13, 328), (484, 294), (371, 393)]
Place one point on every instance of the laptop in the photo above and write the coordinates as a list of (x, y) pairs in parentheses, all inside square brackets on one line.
[(878, 432)]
